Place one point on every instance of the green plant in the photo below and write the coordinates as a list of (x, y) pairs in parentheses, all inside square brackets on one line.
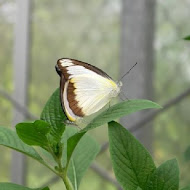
[(71, 150)]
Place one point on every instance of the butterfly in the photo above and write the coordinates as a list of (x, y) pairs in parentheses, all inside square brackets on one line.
[(84, 88)]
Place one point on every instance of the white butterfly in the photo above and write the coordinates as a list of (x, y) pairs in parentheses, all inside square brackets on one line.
[(84, 89)]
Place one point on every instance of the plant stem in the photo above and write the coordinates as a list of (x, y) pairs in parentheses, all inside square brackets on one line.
[(66, 181), (62, 172)]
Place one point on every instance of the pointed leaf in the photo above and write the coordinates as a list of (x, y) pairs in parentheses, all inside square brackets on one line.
[(119, 110), (54, 115), (34, 133), (165, 177), (10, 139), (132, 163), (12, 186)]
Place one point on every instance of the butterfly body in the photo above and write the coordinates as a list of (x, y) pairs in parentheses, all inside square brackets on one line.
[(84, 89)]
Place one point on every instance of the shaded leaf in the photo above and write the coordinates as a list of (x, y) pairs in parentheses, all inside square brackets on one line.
[(69, 132), (186, 188), (119, 110), (131, 162), (72, 143), (10, 139), (187, 38), (82, 149), (34, 133), (54, 115), (187, 154), (165, 177), (12, 186)]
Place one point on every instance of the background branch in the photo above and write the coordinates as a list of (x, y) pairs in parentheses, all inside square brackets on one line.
[(17, 105)]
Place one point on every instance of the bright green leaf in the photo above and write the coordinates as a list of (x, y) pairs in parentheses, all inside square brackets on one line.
[(119, 110), (187, 38), (165, 177), (54, 115), (12, 186), (10, 139), (34, 133), (131, 162)]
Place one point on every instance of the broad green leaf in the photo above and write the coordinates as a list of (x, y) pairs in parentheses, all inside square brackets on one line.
[(54, 115), (138, 188), (187, 154), (186, 188), (165, 177), (12, 186), (82, 149), (10, 139), (119, 110), (187, 38), (131, 162), (34, 133)]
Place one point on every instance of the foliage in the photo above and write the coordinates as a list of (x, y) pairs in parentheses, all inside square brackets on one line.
[(187, 38), (72, 150), (187, 154)]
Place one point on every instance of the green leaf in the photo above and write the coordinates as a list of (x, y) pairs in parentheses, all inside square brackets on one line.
[(187, 38), (34, 133), (119, 110), (12, 186), (81, 151), (186, 188), (54, 115), (69, 132), (131, 162), (187, 154), (72, 143), (10, 139), (165, 177)]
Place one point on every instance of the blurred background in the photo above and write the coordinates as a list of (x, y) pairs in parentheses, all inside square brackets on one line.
[(112, 35)]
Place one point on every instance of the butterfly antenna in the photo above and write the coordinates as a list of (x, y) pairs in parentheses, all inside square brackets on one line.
[(128, 71)]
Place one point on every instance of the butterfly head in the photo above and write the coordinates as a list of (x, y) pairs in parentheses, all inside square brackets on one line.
[(116, 90)]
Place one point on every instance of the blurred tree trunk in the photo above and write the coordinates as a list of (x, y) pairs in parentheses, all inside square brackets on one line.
[(137, 36), (21, 52)]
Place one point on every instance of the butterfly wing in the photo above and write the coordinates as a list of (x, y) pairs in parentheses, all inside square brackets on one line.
[(87, 89)]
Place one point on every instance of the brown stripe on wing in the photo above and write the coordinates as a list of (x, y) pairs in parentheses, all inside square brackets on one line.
[(62, 85), (73, 103), (86, 65), (62, 70)]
